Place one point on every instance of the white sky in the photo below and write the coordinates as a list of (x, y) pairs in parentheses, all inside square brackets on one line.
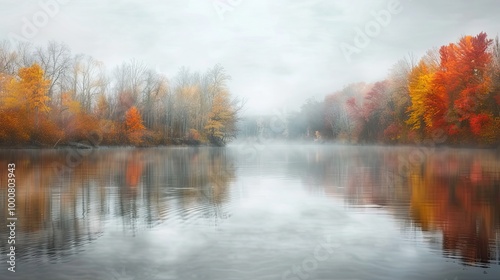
[(278, 52)]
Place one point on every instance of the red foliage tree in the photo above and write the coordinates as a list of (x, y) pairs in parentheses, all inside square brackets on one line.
[(478, 122), (461, 84)]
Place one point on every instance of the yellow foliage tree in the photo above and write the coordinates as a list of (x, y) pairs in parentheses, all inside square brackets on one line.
[(29, 91), (420, 86), (23, 98), (221, 120)]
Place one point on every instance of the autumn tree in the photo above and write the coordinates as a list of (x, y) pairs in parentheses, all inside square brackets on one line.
[(421, 93), (221, 120), (49, 96), (29, 91), (474, 60), (454, 90), (367, 113), (134, 126), (15, 127), (77, 124), (26, 96), (461, 83)]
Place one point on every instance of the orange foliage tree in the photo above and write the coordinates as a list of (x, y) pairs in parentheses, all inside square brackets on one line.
[(134, 126), (77, 124), (462, 83)]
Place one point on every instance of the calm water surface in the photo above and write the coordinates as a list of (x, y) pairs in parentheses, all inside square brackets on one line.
[(260, 212)]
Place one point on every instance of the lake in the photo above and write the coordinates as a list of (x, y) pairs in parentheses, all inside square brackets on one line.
[(254, 211)]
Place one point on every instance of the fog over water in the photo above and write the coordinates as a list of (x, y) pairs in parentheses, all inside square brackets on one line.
[(249, 139)]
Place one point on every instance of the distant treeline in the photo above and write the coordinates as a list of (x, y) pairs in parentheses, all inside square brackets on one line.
[(451, 96), (50, 97)]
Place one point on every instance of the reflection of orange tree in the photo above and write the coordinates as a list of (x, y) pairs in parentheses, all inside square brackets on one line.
[(465, 207), (133, 172), (454, 192), (57, 212), (48, 218), (134, 127), (32, 205)]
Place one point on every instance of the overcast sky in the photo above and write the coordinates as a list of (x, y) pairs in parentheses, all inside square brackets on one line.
[(278, 52)]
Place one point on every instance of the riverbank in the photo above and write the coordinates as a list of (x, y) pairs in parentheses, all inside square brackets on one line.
[(86, 145), (178, 142)]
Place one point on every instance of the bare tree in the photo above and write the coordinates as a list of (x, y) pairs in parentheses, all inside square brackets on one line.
[(155, 89), (137, 76), (217, 81), (129, 83), (7, 59), (55, 59), (89, 81), (24, 55)]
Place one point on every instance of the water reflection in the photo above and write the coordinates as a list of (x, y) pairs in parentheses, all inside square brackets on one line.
[(131, 189), (452, 197), (459, 195), (455, 193)]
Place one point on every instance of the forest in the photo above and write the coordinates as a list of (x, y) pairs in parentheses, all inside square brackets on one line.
[(50, 97), (450, 96)]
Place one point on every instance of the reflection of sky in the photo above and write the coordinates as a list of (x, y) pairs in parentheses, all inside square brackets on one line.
[(273, 210)]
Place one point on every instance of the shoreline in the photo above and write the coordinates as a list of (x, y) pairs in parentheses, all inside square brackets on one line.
[(325, 143)]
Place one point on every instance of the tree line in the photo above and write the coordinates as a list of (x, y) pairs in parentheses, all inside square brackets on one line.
[(450, 96), (50, 97)]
